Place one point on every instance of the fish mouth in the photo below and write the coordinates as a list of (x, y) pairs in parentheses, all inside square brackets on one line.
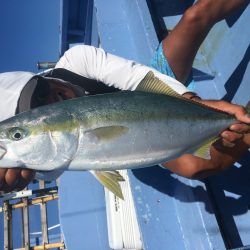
[(3, 151)]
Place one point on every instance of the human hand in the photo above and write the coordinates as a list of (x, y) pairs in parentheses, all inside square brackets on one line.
[(12, 179)]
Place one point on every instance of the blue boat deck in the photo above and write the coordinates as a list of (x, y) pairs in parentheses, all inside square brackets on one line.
[(173, 212)]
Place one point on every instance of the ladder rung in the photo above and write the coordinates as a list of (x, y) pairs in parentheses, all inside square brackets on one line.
[(45, 246), (33, 202)]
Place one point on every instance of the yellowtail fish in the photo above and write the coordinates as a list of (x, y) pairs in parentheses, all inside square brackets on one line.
[(109, 132)]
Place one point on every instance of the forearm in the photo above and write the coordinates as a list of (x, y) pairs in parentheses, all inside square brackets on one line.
[(188, 166)]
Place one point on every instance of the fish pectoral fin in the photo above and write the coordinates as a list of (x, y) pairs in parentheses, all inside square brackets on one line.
[(110, 179), (106, 134), (204, 150)]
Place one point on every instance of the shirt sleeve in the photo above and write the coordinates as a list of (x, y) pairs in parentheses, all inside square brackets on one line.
[(95, 63)]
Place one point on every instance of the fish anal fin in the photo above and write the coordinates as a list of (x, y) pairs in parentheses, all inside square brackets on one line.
[(110, 179), (204, 150)]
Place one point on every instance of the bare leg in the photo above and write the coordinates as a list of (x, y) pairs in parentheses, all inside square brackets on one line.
[(183, 42)]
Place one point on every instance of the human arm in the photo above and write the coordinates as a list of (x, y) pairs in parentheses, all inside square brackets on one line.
[(222, 158), (95, 63)]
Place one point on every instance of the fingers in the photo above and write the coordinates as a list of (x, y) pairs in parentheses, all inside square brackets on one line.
[(234, 134), (15, 179), (240, 128), (237, 131), (238, 111), (229, 138), (12, 177), (9, 179), (27, 176)]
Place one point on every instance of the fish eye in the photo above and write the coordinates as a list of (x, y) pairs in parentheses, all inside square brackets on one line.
[(16, 134)]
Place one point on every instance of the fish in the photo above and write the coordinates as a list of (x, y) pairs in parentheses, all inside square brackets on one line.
[(108, 132)]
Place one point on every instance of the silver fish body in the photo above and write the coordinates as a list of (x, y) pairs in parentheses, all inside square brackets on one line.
[(108, 132)]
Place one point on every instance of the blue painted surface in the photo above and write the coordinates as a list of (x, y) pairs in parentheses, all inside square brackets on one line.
[(119, 21), (82, 212), (76, 22), (230, 191), (173, 212)]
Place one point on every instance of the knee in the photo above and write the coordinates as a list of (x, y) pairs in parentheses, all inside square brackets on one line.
[(200, 14)]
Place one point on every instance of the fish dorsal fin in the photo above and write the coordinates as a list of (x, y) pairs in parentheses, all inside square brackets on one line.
[(204, 150), (153, 84), (106, 134), (110, 180)]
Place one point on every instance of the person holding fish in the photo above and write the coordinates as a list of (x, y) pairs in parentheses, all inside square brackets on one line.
[(88, 70)]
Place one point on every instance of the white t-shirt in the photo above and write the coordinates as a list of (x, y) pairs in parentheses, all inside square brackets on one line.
[(95, 63)]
